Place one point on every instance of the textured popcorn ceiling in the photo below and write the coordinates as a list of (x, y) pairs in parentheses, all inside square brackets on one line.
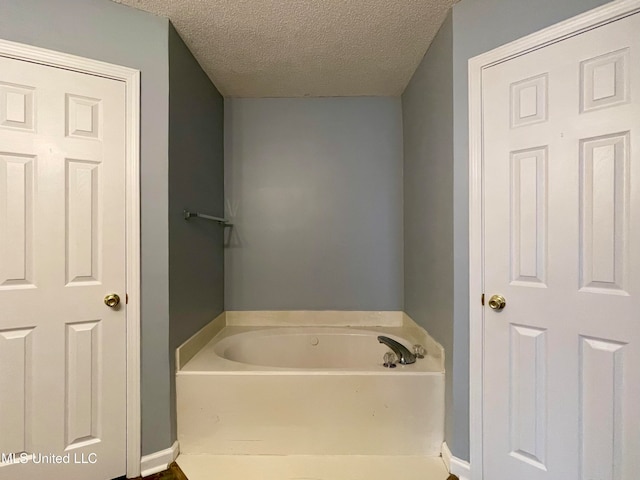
[(295, 48)]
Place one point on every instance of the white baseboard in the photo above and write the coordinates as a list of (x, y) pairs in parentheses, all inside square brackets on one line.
[(460, 468), (446, 456), (159, 461), (455, 466)]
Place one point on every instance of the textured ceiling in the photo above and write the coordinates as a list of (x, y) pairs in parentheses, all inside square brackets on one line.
[(295, 48)]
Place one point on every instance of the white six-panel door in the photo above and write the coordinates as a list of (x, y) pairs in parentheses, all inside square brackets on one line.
[(561, 153), (62, 249)]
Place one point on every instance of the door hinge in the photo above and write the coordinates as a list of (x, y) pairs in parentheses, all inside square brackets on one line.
[(482, 299), (126, 299)]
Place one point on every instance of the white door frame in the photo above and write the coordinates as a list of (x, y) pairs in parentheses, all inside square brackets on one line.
[(131, 79), (569, 28)]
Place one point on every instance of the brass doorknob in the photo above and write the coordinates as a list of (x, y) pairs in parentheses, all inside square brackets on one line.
[(497, 302), (112, 300)]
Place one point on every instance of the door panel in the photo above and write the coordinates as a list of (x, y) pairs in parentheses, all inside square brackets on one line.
[(62, 249), (561, 136)]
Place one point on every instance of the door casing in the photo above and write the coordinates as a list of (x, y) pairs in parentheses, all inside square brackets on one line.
[(594, 18), (131, 78)]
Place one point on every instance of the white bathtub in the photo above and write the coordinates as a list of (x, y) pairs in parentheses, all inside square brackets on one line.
[(310, 390), (321, 349)]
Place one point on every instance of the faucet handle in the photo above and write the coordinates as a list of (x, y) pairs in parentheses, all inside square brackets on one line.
[(419, 351), (390, 360)]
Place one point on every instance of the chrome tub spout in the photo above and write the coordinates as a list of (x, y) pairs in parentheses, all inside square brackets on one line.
[(405, 357)]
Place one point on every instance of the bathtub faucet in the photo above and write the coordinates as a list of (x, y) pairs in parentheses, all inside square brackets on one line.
[(405, 357)]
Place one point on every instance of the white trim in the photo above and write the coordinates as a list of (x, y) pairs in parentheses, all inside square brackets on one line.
[(460, 469), (476, 271), (134, 420), (159, 461), (594, 18), (455, 466), (131, 79), (446, 456)]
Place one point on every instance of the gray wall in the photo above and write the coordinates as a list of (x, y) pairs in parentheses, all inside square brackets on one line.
[(480, 26), (106, 31), (427, 120), (314, 187), (196, 182)]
